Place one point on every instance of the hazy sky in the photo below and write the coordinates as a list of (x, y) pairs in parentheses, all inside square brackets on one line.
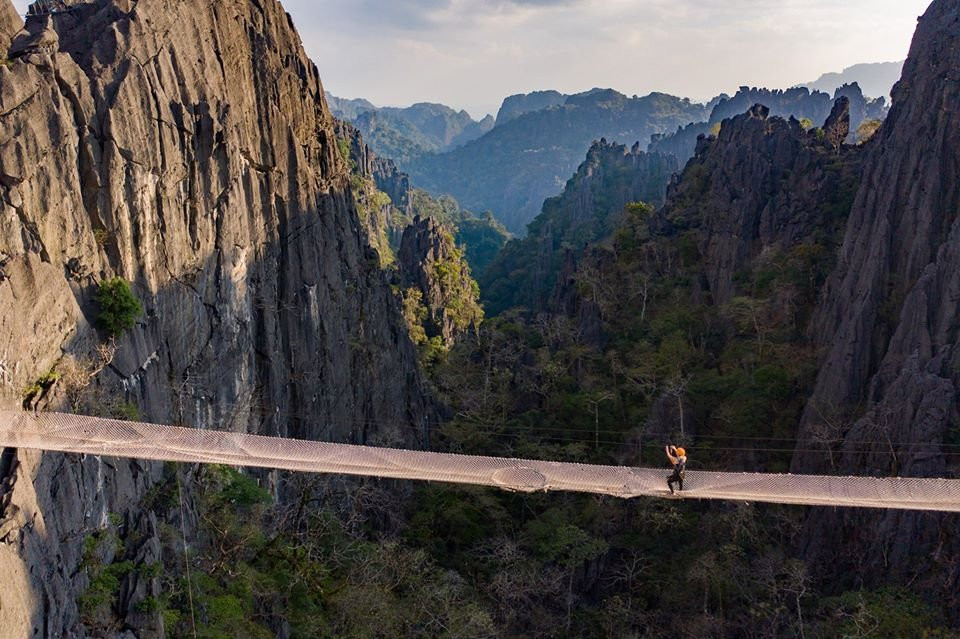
[(472, 53)]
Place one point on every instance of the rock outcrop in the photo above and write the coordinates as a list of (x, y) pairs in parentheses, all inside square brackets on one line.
[(10, 24), (886, 396), (798, 103), (514, 106), (38, 36), (861, 109), (433, 267), (197, 159), (381, 191), (837, 127), (394, 183), (762, 184)]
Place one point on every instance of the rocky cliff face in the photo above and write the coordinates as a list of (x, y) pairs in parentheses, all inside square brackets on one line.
[(380, 190), (197, 159), (762, 185), (886, 395), (435, 277), (395, 183), (10, 24)]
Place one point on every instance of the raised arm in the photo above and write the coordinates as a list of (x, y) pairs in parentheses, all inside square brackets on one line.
[(671, 453)]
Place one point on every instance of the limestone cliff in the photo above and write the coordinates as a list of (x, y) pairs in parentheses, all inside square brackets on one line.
[(763, 184), (381, 192), (439, 296), (886, 395), (197, 159)]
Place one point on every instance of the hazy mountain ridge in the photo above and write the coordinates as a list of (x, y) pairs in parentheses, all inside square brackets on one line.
[(503, 159), (799, 103), (404, 133), (516, 105), (512, 169), (875, 78)]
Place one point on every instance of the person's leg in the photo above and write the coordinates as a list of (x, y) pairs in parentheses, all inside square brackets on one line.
[(680, 481), (670, 480)]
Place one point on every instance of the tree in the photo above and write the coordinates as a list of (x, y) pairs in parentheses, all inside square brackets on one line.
[(119, 307)]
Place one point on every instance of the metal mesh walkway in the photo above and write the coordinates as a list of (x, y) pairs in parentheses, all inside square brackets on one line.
[(97, 436)]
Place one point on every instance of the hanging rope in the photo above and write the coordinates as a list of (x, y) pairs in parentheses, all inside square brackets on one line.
[(186, 556)]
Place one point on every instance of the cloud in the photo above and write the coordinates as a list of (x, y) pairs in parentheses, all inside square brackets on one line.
[(423, 15), (472, 53)]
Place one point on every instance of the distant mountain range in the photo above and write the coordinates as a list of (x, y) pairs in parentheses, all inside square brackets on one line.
[(798, 102), (512, 164), (875, 78), (405, 133), (531, 153), (516, 105)]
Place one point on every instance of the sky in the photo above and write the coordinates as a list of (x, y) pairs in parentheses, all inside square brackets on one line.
[(472, 53)]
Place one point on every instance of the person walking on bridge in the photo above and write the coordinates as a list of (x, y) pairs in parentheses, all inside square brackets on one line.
[(677, 457)]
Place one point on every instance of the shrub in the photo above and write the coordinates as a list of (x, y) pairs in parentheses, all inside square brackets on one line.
[(101, 237), (119, 307), (868, 129), (343, 144)]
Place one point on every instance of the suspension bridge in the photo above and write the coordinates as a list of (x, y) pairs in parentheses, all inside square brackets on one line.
[(98, 436)]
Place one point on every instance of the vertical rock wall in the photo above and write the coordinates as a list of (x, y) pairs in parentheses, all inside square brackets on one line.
[(196, 158), (886, 396)]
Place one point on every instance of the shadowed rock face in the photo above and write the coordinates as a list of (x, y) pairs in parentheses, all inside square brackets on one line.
[(885, 301), (195, 158), (889, 324), (762, 184)]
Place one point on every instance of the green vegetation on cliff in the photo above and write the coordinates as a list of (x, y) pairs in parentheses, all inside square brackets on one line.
[(119, 306), (481, 237), (438, 293)]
